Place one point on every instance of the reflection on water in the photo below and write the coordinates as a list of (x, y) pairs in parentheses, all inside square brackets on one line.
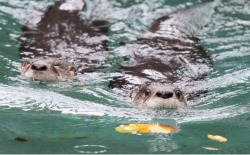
[(162, 144), (81, 117), (90, 149)]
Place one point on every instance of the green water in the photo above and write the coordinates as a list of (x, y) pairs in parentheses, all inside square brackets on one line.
[(81, 117)]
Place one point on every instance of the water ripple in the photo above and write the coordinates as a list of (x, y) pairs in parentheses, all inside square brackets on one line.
[(92, 149)]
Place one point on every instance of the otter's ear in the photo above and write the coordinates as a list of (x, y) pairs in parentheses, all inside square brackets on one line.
[(135, 90)]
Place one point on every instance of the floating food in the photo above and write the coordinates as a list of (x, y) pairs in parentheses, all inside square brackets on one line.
[(145, 128), (217, 138), (211, 148), (127, 128)]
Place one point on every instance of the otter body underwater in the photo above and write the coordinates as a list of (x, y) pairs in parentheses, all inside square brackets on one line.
[(167, 55)]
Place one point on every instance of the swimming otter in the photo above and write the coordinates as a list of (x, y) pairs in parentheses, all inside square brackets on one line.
[(61, 33), (158, 95), (48, 69), (169, 56), (163, 57)]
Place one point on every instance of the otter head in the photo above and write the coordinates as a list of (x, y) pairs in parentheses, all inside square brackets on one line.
[(47, 69), (158, 95)]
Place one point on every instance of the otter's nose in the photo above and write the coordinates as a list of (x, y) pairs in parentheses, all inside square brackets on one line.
[(164, 95), (39, 67)]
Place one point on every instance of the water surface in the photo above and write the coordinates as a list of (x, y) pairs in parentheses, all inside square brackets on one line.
[(81, 117)]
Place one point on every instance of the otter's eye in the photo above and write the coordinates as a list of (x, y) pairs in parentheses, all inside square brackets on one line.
[(147, 92), (178, 93), (72, 69)]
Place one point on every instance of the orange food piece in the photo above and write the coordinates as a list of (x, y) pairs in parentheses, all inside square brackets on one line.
[(217, 138), (127, 128), (145, 128), (162, 128)]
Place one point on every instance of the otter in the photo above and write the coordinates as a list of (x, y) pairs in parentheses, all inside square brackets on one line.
[(167, 60), (62, 35), (158, 95), (165, 56), (48, 69)]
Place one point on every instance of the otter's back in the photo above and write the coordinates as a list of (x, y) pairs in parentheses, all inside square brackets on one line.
[(169, 51)]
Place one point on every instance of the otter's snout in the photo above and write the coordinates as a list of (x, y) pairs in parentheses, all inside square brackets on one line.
[(48, 69), (39, 67), (164, 95), (158, 95)]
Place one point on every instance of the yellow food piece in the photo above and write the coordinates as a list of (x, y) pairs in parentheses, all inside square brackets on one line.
[(127, 128), (211, 148), (162, 128), (217, 138), (145, 128)]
